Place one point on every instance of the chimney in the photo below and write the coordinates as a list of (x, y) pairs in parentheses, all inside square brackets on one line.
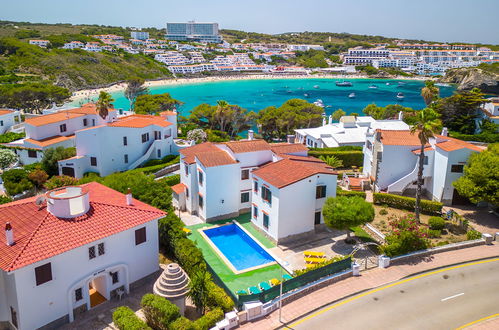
[(401, 115), (330, 119), (291, 138), (251, 135), (9, 234), (445, 131), (129, 197)]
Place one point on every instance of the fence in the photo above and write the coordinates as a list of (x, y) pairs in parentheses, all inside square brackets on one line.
[(289, 285)]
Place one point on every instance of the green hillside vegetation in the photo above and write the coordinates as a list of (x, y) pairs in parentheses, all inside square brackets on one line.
[(74, 69)]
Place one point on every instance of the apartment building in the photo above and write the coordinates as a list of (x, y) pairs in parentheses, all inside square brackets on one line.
[(140, 35), (193, 31), (8, 119), (39, 43)]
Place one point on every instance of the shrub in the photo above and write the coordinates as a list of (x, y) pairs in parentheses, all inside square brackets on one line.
[(209, 320), (165, 160), (38, 177), (52, 155), (182, 323), (11, 136), (299, 272), (473, 234), (350, 193), (189, 256), (16, 181), (171, 180), (60, 181), (7, 158), (383, 212), (5, 199), (434, 233), (125, 319), (159, 312), (348, 157), (217, 297), (407, 203), (436, 223), (406, 236)]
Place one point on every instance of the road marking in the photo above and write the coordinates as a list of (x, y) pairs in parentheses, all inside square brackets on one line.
[(345, 301), (454, 296), (478, 321)]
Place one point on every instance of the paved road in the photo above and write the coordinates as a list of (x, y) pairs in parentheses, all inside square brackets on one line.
[(442, 299)]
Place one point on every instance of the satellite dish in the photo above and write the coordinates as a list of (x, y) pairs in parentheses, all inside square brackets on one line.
[(40, 200)]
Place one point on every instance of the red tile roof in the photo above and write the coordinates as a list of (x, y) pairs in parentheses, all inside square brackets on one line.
[(288, 148), (39, 235), (5, 111), (189, 153), (291, 169), (399, 138), (454, 144), (86, 109), (215, 158), (139, 121), (179, 188), (418, 151), (238, 147), (50, 140)]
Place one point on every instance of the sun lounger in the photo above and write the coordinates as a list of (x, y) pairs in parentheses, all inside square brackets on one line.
[(241, 292), (274, 282), (286, 277), (314, 254), (310, 260), (186, 230), (254, 289), (264, 286), (311, 265)]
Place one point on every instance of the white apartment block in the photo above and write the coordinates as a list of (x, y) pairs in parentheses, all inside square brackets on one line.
[(39, 43), (350, 131), (140, 35), (490, 110), (73, 45), (365, 56), (391, 162), (172, 58), (282, 187), (122, 144), (192, 68), (8, 120), (304, 48), (55, 130), (65, 252)]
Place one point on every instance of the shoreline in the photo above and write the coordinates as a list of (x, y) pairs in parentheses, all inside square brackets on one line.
[(86, 93)]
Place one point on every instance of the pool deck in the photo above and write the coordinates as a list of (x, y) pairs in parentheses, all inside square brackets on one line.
[(234, 281)]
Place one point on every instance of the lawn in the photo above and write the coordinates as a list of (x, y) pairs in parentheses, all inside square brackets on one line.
[(232, 281)]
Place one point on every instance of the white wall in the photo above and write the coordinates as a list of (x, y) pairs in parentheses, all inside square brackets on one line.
[(221, 183), (397, 161), (47, 302), (7, 121)]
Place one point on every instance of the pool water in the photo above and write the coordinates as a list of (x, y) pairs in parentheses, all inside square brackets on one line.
[(238, 247)]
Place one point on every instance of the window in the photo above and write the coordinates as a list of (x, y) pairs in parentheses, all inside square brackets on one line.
[(125, 158), (91, 252), (186, 168), (159, 153), (114, 277), (266, 194), (93, 122), (125, 141), (43, 273), (85, 122), (266, 220), (100, 248), (78, 294), (255, 186), (255, 212), (1, 122), (317, 218), (244, 174), (245, 197), (425, 160), (186, 192), (157, 135), (145, 137), (93, 161), (32, 153), (200, 177), (200, 201), (320, 192), (62, 128), (457, 168), (140, 236)]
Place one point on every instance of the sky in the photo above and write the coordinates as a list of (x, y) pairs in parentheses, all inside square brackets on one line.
[(432, 20)]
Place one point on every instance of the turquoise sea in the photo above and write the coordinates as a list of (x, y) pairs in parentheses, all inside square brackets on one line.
[(258, 94)]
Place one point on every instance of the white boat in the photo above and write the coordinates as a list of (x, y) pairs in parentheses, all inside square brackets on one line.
[(351, 95), (373, 86), (306, 95), (316, 86), (344, 84), (400, 96), (319, 103), (401, 83), (387, 84)]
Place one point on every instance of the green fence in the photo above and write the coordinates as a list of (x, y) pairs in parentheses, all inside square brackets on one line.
[(289, 285)]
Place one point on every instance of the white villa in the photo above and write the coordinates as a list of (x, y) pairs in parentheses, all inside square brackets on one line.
[(66, 252), (55, 130), (8, 118), (350, 131), (282, 187), (490, 110), (122, 144), (391, 163)]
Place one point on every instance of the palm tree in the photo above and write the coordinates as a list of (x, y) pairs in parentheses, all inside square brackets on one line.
[(135, 87), (198, 289), (429, 92), (332, 161), (104, 103), (426, 124)]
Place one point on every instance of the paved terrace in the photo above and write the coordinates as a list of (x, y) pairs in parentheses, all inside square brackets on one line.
[(372, 279)]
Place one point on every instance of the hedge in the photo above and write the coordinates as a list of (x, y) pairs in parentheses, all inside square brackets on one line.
[(125, 319), (209, 320), (159, 311), (407, 203), (154, 168), (182, 323), (171, 180), (350, 193), (349, 158)]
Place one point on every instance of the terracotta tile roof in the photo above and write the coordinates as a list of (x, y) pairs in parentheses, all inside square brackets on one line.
[(52, 118), (50, 140), (215, 158), (418, 151), (139, 121), (39, 235), (288, 148), (168, 113), (5, 111), (399, 138), (454, 144), (189, 153), (179, 188), (238, 147), (290, 170)]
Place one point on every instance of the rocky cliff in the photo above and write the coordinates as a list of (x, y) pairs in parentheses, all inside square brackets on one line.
[(469, 78)]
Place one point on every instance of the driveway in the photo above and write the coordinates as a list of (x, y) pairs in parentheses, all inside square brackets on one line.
[(482, 219)]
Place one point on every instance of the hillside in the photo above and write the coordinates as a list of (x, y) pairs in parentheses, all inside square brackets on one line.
[(74, 69), (485, 77)]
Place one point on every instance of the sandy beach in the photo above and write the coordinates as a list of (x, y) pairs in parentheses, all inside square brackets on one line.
[(87, 93)]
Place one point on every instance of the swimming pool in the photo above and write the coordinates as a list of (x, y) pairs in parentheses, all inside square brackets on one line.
[(240, 251)]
